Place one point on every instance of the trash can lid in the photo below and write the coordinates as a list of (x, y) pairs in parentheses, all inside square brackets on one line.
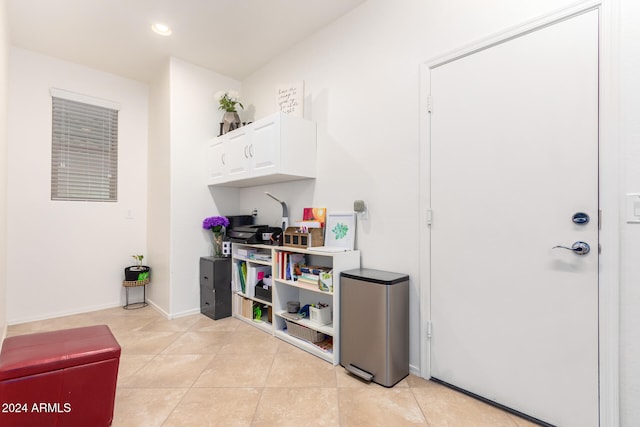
[(375, 276)]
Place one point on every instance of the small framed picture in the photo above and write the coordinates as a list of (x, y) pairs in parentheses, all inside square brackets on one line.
[(340, 230)]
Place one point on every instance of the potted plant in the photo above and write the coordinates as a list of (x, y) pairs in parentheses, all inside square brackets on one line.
[(216, 224), (136, 272), (229, 101)]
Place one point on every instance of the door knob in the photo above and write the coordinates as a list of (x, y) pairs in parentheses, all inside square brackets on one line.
[(578, 248)]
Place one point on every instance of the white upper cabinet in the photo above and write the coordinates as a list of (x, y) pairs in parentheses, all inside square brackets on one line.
[(217, 161), (277, 148), (237, 145)]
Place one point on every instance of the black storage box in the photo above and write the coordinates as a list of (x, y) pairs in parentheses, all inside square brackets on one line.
[(263, 292), (132, 274)]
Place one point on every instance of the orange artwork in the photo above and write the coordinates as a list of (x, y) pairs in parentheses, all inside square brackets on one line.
[(315, 214)]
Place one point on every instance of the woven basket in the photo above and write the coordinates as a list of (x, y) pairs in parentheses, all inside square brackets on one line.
[(303, 332), (132, 283)]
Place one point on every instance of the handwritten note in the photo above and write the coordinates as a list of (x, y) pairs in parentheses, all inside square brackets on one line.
[(290, 98)]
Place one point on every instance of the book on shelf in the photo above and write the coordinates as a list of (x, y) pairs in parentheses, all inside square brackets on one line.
[(288, 265), (313, 270), (293, 265), (326, 281), (308, 281), (240, 275), (326, 345)]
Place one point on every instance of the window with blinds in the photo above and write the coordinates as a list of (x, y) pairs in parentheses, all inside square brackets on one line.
[(84, 155)]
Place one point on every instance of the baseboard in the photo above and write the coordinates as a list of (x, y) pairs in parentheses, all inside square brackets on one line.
[(171, 316), (63, 313), (185, 313), (157, 308), (414, 370)]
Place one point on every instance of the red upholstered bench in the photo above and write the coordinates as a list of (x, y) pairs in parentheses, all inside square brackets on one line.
[(59, 378)]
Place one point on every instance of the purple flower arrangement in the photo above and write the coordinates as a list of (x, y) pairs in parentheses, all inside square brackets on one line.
[(215, 223)]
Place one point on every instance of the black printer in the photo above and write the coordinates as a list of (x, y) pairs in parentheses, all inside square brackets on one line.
[(246, 233)]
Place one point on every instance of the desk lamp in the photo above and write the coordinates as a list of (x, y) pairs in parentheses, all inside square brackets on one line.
[(285, 212)]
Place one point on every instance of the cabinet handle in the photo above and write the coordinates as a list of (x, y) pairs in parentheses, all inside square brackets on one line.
[(251, 150), (223, 158), (246, 151)]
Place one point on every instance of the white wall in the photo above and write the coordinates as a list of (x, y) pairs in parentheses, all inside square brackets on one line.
[(158, 195), (362, 84), (4, 56), (68, 257), (194, 122), (630, 238)]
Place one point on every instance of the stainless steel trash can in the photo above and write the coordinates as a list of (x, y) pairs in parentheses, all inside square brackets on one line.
[(374, 325)]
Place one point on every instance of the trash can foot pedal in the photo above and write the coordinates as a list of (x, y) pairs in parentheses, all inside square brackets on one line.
[(367, 376)]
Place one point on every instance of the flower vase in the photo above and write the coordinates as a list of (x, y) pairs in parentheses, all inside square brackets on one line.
[(230, 121), (217, 244)]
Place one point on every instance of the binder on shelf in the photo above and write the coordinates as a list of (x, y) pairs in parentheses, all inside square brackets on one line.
[(240, 276)]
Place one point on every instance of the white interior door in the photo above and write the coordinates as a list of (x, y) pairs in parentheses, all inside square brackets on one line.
[(514, 155)]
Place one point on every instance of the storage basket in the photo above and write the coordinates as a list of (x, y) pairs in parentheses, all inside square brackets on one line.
[(133, 283), (303, 332)]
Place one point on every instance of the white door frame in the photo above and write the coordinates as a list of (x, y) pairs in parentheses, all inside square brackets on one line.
[(609, 177)]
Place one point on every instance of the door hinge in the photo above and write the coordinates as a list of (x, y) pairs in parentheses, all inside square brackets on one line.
[(599, 219), (429, 217), (429, 104), (429, 329)]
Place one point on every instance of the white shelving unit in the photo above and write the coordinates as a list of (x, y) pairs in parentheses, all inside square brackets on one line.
[(284, 291)]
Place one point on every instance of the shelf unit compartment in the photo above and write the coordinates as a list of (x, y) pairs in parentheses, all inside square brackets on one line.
[(246, 275), (258, 254), (292, 293), (280, 324), (314, 349), (243, 310)]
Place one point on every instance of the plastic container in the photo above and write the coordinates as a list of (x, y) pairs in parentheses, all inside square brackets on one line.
[(320, 316)]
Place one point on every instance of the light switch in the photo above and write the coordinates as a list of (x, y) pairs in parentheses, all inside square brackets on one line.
[(633, 208)]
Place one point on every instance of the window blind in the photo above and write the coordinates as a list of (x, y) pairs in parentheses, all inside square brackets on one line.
[(84, 158)]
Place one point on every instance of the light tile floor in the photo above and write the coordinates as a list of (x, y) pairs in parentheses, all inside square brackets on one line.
[(194, 371)]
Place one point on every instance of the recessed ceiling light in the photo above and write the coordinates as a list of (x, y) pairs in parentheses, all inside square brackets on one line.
[(161, 29)]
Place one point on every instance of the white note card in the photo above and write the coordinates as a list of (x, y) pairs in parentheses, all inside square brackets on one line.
[(290, 98)]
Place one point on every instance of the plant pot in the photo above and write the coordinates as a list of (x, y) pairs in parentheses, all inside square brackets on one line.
[(133, 273), (230, 121)]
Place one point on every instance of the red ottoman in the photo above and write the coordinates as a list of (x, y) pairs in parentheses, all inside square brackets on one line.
[(59, 378)]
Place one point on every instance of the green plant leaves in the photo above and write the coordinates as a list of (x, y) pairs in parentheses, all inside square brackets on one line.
[(340, 231)]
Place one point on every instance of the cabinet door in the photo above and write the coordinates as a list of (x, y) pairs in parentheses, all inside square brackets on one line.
[(218, 162), (238, 149), (265, 146)]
